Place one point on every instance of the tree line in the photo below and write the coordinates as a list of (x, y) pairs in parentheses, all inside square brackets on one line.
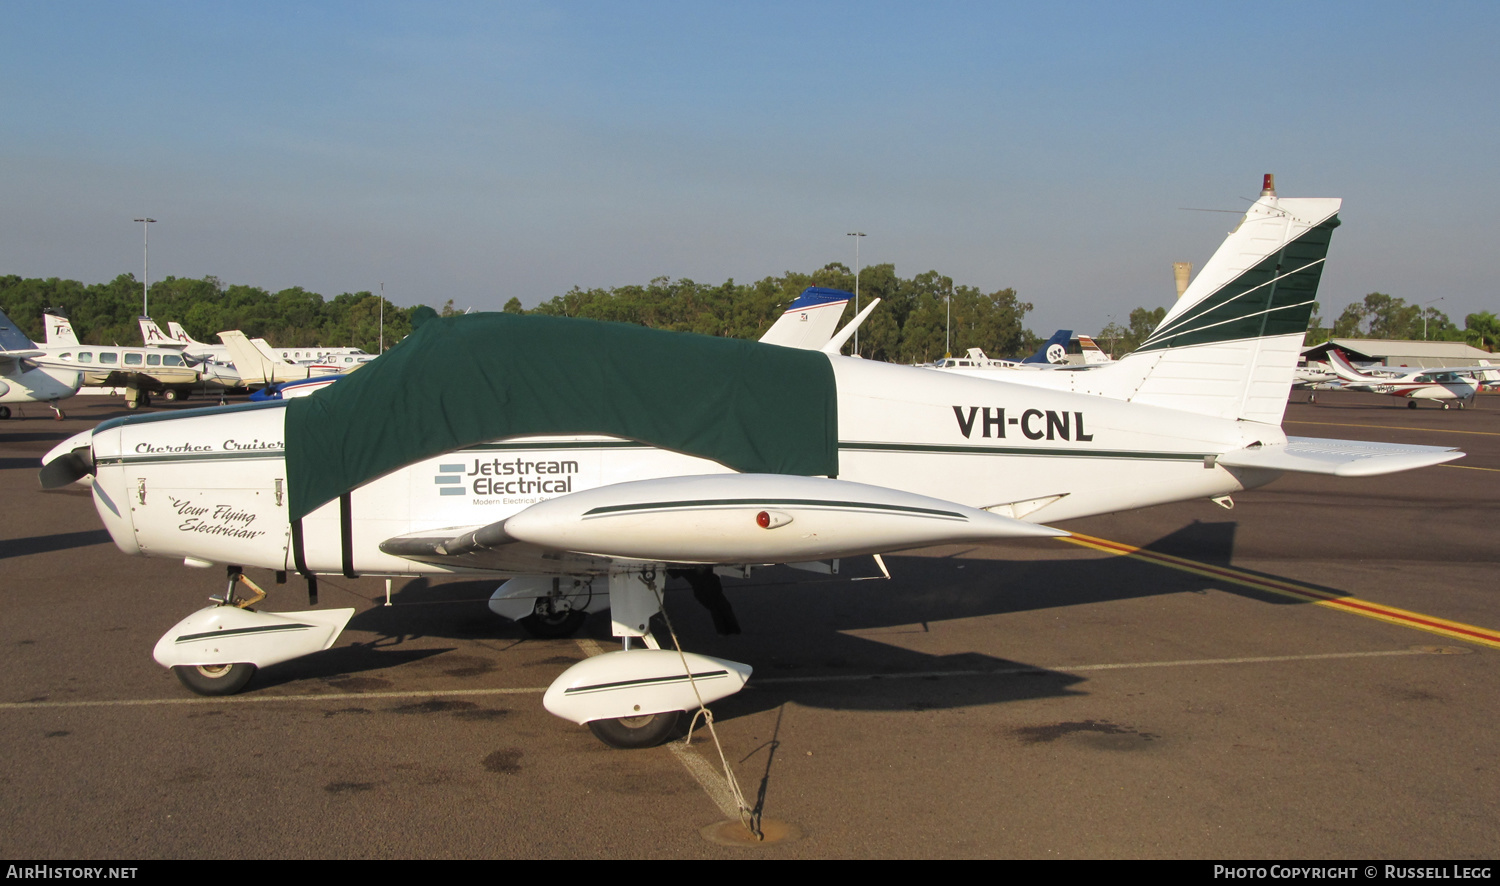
[(1386, 316), (106, 313), (910, 326)]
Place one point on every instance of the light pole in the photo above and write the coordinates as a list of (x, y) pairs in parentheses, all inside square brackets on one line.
[(948, 335), (856, 235), (145, 224), (1424, 314)]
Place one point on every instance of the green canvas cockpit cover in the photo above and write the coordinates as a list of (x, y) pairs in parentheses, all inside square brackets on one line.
[(458, 381)]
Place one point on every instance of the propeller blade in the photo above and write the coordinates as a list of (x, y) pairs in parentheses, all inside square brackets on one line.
[(70, 467)]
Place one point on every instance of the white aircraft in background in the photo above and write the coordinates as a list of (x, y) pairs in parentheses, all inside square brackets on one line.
[(142, 372), (211, 361), (23, 379), (471, 449), (1051, 355), (1444, 384), (261, 366), (290, 355)]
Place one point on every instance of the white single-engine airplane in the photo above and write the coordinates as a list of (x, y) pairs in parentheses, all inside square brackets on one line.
[(471, 449), (1445, 384)]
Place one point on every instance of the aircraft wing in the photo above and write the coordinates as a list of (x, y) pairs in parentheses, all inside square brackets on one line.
[(8, 358), (25, 358), (713, 519), (1476, 371), (1340, 458)]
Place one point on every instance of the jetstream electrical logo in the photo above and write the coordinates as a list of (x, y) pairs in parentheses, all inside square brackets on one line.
[(513, 477), (451, 479)]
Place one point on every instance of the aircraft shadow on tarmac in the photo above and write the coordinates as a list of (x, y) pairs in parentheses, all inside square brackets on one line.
[(7, 438), (796, 632), (42, 544)]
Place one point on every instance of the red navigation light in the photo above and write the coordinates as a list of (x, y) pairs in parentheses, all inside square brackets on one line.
[(763, 520)]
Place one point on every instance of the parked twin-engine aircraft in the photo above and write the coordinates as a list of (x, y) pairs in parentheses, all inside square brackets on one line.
[(142, 372), (471, 449), (263, 367), (23, 379), (1445, 384)]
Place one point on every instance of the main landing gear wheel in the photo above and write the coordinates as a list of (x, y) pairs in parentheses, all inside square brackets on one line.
[(632, 733), (4, 412), (220, 679), (171, 396), (1411, 404), (554, 625)]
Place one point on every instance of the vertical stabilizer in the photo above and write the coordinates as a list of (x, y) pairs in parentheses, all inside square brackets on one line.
[(12, 338), (1054, 349), (180, 334), (809, 321), (1229, 346), (59, 329), (152, 335), (248, 361)]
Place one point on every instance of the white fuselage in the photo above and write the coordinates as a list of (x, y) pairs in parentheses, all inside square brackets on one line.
[(22, 382), (211, 485), (105, 364)]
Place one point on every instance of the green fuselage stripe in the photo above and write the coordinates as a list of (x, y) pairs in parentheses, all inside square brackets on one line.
[(179, 457), (645, 681), (931, 449), (771, 503), (240, 632), (910, 448)]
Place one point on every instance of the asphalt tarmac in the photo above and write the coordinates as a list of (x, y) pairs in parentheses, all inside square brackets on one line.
[(1312, 674)]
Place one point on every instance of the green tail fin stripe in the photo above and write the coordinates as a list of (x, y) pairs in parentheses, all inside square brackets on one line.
[(1261, 301), (1165, 333)]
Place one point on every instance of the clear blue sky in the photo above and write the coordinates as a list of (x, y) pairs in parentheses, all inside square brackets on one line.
[(489, 150)]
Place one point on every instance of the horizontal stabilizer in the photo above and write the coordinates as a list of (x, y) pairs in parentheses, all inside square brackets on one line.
[(837, 342), (1339, 458)]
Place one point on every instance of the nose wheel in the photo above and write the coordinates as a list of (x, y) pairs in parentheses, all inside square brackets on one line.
[(218, 679), (548, 623), (632, 733)]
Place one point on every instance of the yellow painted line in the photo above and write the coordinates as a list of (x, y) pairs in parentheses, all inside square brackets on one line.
[(1337, 424), (1452, 629), (1468, 468)]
